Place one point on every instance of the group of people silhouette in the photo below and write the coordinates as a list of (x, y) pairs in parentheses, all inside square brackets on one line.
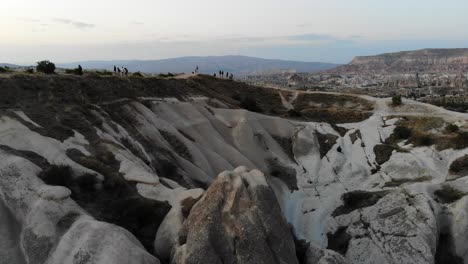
[(221, 75), (120, 71)]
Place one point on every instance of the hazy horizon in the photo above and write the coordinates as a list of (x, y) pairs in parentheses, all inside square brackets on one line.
[(312, 31)]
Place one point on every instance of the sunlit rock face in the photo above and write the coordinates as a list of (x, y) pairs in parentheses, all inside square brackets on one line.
[(197, 179)]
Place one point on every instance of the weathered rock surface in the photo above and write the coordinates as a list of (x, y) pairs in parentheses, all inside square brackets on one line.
[(41, 224), (238, 220), (148, 167), (398, 228)]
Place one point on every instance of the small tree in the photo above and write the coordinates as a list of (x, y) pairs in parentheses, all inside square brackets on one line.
[(46, 67), (396, 100)]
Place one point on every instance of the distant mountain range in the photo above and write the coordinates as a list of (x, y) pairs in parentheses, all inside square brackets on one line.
[(422, 61), (8, 65), (208, 65)]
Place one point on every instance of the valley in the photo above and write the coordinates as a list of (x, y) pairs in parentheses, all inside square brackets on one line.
[(204, 169)]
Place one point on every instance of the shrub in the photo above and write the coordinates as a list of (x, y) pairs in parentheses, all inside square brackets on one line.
[(57, 176), (137, 74), (423, 140), (168, 75), (449, 194), (87, 182), (5, 69), (396, 100), (77, 71), (294, 113), (459, 164), (104, 73), (402, 132), (461, 141), (30, 70), (451, 128), (46, 67)]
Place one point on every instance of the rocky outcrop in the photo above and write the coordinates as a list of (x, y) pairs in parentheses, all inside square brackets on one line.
[(42, 224), (398, 228), (238, 220), (425, 61)]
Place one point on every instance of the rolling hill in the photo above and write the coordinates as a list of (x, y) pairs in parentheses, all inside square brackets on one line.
[(208, 65)]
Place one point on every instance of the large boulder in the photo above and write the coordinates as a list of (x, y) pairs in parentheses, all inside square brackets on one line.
[(386, 228), (238, 220)]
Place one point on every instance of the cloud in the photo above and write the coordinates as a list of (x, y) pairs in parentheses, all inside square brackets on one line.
[(77, 24)]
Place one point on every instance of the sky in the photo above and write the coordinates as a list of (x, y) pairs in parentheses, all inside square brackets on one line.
[(305, 30)]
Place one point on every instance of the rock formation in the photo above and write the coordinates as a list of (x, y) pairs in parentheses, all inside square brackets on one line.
[(238, 220), (423, 61), (155, 171)]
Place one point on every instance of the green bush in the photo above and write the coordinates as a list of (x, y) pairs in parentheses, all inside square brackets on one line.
[(396, 100), (451, 128), (46, 67), (30, 70)]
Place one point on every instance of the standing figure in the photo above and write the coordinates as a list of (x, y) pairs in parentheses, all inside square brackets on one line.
[(115, 70), (126, 71), (118, 70)]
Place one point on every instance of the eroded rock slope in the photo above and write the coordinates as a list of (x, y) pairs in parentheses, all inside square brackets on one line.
[(188, 176)]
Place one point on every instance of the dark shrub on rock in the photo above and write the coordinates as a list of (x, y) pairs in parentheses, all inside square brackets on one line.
[(451, 128), (396, 100), (402, 132), (57, 176), (461, 141)]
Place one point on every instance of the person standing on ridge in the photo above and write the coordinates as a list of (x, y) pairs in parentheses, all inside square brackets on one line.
[(115, 70), (118, 71), (126, 71)]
